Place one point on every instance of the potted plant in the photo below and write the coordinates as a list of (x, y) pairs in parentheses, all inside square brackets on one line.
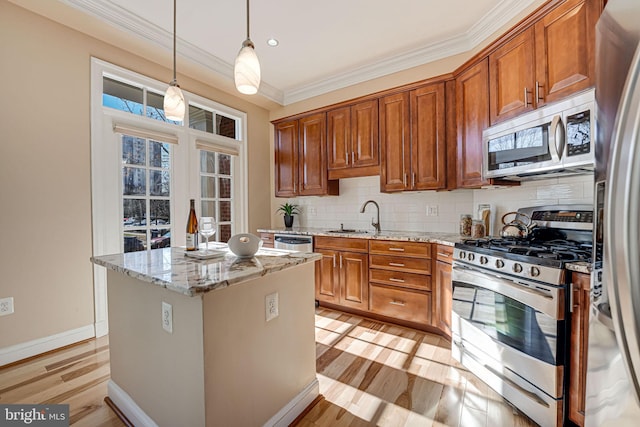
[(288, 210)]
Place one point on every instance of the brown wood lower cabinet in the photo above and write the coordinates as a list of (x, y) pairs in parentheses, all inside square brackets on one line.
[(342, 273), (267, 240), (388, 279), (399, 303), (579, 343), (443, 289)]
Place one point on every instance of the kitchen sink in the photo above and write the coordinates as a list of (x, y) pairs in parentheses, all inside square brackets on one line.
[(348, 231)]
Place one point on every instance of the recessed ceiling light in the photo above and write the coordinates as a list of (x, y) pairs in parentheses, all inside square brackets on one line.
[(273, 42)]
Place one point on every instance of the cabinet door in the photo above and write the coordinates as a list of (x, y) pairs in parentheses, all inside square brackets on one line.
[(354, 279), (394, 143), (443, 297), (339, 138), (565, 49), (364, 134), (579, 343), (327, 277), (511, 74), (428, 144), (286, 158), (472, 108), (312, 171)]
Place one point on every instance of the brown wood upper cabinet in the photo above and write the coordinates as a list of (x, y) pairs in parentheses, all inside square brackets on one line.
[(300, 158), (413, 145), (352, 140), (546, 62), (472, 115)]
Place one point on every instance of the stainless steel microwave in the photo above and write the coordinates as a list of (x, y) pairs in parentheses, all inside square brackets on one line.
[(551, 141)]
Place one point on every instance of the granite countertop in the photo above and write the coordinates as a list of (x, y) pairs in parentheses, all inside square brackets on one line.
[(171, 269), (448, 239)]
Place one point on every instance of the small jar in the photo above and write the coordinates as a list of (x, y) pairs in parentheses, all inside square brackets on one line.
[(477, 229), (465, 225)]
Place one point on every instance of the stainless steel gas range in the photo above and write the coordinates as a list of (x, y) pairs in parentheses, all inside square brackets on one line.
[(510, 323)]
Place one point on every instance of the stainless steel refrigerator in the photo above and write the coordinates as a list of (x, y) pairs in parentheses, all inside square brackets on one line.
[(613, 365)]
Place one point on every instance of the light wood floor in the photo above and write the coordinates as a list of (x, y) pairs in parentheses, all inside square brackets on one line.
[(370, 373)]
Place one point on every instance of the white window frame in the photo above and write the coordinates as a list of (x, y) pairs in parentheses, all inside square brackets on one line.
[(106, 182)]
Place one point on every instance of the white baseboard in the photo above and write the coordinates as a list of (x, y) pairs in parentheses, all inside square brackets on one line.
[(102, 328), (128, 406), (27, 349), (285, 416)]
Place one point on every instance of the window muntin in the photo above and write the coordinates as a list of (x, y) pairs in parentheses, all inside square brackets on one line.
[(135, 100), (212, 122), (216, 191), (146, 193)]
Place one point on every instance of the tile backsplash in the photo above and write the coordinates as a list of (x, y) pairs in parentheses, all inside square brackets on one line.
[(409, 211)]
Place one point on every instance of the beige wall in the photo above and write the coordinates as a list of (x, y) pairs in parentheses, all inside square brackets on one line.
[(45, 175)]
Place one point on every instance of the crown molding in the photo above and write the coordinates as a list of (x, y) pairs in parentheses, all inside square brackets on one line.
[(492, 21), (130, 23), (137, 26)]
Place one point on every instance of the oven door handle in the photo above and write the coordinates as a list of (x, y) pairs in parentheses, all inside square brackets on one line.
[(531, 395), (544, 302)]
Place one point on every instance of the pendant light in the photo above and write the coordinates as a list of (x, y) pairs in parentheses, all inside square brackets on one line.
[(247, 67), (173, 98)]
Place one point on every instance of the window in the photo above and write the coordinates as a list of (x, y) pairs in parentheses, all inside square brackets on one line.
[(133, 99), (146, 194), (216, 182), (212, 122)]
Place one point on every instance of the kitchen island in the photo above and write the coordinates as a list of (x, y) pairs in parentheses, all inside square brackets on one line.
[(210, 357)]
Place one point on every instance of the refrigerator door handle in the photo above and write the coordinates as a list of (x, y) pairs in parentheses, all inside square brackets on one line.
[(622, 249)]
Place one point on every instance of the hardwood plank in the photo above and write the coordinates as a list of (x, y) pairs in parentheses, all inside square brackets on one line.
[(370, 373)]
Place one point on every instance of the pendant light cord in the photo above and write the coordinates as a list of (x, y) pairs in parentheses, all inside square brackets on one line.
[(248, 20), (174, 41)]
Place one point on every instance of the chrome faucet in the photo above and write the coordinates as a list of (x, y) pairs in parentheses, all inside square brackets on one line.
[(376, 224)]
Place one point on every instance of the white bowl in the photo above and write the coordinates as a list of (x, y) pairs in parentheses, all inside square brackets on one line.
[(244, 245)]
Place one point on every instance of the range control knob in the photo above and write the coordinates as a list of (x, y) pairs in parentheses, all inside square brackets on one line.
[(463, 254), (471, 257), (517, 268), (535, 271), (499, 263), (483, 260)]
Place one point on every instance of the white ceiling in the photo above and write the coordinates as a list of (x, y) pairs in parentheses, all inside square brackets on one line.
[(324, 45)]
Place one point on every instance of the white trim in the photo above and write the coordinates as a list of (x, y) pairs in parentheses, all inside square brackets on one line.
[(285, 416), (27, 349), (102, 328), (128, 406), (117, 16)]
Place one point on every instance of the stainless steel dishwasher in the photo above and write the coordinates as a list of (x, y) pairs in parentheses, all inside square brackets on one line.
[(293, 242)]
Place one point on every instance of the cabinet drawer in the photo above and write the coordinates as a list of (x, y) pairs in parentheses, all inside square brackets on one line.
[(400, 278), (388, 247), (396, 263), (267, 240), (444, 253), (413, 306), (342, 243)]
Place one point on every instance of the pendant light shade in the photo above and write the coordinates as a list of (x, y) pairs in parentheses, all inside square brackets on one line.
[(173, 104), (247, 67)]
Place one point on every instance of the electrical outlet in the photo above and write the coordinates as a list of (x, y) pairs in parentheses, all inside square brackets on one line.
[(167, 317), (432, 210), (312, 211), (271, 306), (6, 306)]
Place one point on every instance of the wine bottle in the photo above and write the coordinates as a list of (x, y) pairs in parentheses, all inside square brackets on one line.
[(192, 228)]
